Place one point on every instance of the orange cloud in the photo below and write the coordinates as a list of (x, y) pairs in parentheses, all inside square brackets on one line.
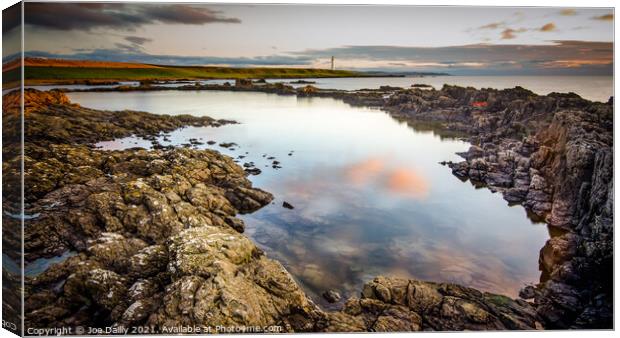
[(573, 63), (493, 25), (361, 172), (396, 180), (407, 182), (510, 33), (568, 12), (550, 27), (606, 17)]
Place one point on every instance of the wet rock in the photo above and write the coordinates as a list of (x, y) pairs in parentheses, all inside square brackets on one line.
[(235, 223), (227, 144), (253, 171), (287, 205), (331, 296)]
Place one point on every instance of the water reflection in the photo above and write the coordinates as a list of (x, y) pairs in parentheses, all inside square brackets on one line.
[(370, 197), (354, 222)]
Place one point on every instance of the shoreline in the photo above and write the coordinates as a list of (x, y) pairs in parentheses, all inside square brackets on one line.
[(117, 81), (381, 305)]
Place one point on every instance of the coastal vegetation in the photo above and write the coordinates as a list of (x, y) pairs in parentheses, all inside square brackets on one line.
[(61, 71)]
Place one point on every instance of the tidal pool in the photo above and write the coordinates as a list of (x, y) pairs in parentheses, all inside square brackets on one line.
[(369, 195)]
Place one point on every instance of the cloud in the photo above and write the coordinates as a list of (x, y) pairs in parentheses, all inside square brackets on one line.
[(185, 14), (492, 25), (568, 12), (11, 17), (134, 53), (510, 33), (125, 48), (555, 58), (87, 16), (478, 58), (550, 27), (396, 180), (360, 173), (138, 40), (407, 182), (606, 17)]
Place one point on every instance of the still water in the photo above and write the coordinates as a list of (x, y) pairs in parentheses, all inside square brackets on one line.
[(369, 195)]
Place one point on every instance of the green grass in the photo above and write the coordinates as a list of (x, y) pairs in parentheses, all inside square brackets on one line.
[(169, 73)]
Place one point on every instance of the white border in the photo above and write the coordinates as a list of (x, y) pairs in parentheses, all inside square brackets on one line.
[(510, 3)]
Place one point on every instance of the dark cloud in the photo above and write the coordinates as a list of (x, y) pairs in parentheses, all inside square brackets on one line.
[(86, 16), (11, 17), (138, 40), (185, 14), (606, 17), (550, 27)]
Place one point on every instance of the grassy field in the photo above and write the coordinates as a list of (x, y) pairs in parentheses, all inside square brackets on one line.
[(64, 74)]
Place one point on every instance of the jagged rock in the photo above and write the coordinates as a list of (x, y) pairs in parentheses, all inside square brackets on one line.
[(391, 304)]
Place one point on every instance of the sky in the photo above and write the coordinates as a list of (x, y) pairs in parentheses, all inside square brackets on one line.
[(456, 40)]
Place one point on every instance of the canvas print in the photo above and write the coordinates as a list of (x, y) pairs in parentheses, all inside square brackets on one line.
[(195, 168)]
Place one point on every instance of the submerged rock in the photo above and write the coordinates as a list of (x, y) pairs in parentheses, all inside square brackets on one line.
[(331, 296)]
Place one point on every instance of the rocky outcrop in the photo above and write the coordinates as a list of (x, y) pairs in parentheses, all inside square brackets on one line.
[(392, 304), (554, 155), (155, 233)]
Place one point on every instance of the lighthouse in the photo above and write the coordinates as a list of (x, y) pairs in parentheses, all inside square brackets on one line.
[(333, 66)]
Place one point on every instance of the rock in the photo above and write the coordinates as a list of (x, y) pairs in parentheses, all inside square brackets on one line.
[(253, 171), (527, 292), (235, 223), (228, 144), (149, 261), (331, 296), (391, 304), (557, 250), (287, 205), (243, 83)]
